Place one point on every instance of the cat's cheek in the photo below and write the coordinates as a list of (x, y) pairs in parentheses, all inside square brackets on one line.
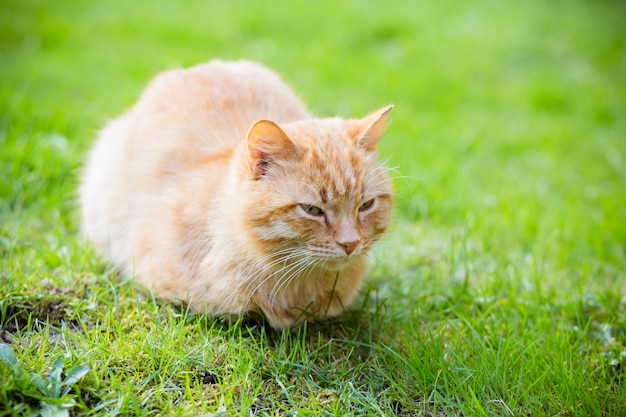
[(375, 226), (309, 229), (278, 233), (378, 216)]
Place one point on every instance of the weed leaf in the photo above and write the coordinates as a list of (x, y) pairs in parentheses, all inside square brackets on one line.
[(40, 384), (55, 377), (76, 374), (53, 410), (7, 356)]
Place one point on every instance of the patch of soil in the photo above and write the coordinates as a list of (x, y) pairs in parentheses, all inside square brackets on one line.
[(24, 315), (208, 377)]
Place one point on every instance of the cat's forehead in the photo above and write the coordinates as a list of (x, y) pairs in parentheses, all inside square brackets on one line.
[(335, 173), (334, 167)]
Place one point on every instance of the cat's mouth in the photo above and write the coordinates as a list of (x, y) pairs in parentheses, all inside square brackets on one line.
[(335, 259), (336, 263)]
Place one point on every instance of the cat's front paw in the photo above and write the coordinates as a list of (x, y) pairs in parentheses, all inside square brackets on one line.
[(293, 317), (290, 318)]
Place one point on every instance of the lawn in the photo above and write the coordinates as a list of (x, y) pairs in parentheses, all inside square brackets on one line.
[(500, 290)]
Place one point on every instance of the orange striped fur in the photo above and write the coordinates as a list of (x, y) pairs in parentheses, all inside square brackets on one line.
[(220, 190)]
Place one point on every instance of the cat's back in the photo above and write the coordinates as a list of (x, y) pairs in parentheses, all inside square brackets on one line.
[(184, 126), (186, 116), (218, 100)]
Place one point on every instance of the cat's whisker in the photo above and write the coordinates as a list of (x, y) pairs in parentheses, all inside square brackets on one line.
[(282, 278), (377, 171), (398, 175), (375, 237), (370, 256), (261, 267), (257, 268), (373, 187), (288, 279), (299, 254), (294, 255), (295, 275), (288, 276)]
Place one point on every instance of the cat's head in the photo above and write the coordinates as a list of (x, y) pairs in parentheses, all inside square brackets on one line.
[(315, 190)]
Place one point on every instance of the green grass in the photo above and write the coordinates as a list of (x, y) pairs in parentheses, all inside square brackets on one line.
[(500, 290)]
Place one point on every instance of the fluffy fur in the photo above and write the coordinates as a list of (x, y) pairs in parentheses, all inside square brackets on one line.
[(219, 189)]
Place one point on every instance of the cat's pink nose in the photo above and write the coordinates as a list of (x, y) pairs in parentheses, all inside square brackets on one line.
[(349, 246)]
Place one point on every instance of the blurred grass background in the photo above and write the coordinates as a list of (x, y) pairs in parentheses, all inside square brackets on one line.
[(509, 131), (509, 114)]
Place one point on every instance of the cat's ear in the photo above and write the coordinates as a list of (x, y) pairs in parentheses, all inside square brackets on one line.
[(267, 142), (371, 128)]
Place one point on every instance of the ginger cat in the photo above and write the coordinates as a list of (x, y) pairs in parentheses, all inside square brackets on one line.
[(220, 190)]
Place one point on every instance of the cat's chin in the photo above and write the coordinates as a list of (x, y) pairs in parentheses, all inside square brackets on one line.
[(337, 264)]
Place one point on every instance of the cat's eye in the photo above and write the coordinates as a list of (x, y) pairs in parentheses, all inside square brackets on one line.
[(367, 205), (312, 210)]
